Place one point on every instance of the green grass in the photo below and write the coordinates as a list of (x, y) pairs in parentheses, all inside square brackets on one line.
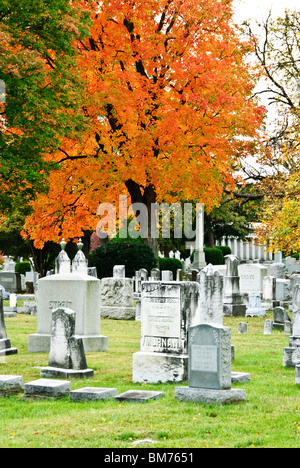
[(270, 417)]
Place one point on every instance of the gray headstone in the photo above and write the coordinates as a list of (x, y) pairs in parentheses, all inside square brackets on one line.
[(155, 274), (66, 350), (268, 327), (5, 344), (210, 357), (242, 328)]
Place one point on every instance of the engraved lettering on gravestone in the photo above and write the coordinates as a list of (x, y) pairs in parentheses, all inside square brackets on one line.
[(161, 328), (57, 304), (204, 358)]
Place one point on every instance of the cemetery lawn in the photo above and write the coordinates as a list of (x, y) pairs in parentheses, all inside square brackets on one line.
[(270, 417)]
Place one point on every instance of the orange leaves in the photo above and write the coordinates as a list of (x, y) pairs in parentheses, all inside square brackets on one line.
[(165, 103)]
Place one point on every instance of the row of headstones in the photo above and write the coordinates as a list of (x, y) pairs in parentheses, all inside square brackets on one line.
[(209, 371)]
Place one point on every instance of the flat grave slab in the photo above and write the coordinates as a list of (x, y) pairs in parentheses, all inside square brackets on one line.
[(92, 394), (10, 384), (57, 373), (46, 388), (240, 377), (139, 396)]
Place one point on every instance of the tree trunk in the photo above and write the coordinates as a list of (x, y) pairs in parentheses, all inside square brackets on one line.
[(146, 196)]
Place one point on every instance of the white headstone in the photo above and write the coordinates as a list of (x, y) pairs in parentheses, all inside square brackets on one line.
[(73, 291)]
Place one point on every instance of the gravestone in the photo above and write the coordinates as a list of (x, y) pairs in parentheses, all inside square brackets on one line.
[(269, 292), (80, 293), (209, 367), (92, 394), (268, 327), (211, 296), (67, 357), (291, 354), (10, 384), (280, 317), (119, 271), (255, 309), (283, 290), (277, 270), (233, 304), (167, 310), (139, 396), (5, 344), (166, 275), (117, 296), (46, 388), (11, 281), (242, 328), (179, 274), (251, 277), (155, 274)]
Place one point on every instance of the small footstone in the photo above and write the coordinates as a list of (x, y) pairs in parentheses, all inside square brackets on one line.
[(10, 384), (46, 388), (139, 396), (240, 377), (92, 394)]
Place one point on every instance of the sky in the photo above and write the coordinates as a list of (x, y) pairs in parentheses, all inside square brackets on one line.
[(259, 9)]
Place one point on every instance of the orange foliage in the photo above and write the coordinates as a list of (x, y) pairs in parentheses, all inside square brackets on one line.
[(167, 100)]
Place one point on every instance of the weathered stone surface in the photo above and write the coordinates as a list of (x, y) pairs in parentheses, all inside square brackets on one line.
[(77, 292), (46, 388), (10, 384), (139, 396), (210, 357), (208, 396), (168, 309), (92, 394), (117, 298)]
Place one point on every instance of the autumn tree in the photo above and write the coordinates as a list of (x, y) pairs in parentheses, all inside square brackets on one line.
[(168, 101), (40, 100), (278, 52)]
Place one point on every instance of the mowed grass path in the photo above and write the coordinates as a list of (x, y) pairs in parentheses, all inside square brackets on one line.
[(270, 417)]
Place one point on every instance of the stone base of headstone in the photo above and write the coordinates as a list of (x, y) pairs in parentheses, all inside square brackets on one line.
[(240, 377), (118, 313), (208, 396), (291, 357), (297, 375), (199, 260), (57, 373), (155, 368), (92, 394), (6, 349), (10, 384), (40, 343), (234, 310), (46, 388), (10, 312), (255, 312), (139, 396)]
